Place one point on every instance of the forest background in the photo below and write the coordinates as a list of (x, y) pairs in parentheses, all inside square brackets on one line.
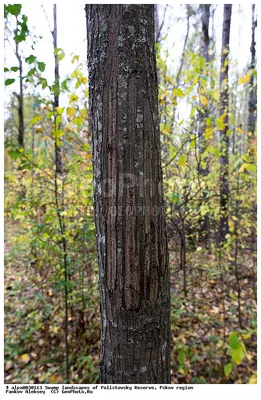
[(213, 290)]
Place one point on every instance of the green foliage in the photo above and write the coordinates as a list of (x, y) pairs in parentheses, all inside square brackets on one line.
[(14, 9), (237, 348), (206, 295), (233, 340), (34, 209), (228, 369), (9, 81), (30, 59), (59, 53), (41, 66)]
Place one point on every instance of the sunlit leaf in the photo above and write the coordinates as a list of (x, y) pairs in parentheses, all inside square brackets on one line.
[(25, 358), (14, 9), (9, 81), (220, 124), (59, 110), (30, 59), (70, 111), (233, 340), (238, 354), (253, 380), (181, 357), (182, 160), (228, 369), (41, 66), (203, 100), (59, 53), (75, 58)]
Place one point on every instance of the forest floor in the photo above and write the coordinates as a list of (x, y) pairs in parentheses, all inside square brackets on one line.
[(201, 325)]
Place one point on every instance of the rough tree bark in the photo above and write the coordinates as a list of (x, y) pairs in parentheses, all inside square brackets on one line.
[(128, 195), (224, 138)]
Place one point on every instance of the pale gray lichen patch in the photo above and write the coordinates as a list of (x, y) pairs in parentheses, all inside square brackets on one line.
[(139, 118)]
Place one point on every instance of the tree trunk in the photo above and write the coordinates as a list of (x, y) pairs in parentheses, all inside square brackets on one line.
[(128, 195), (20, 96), (224, 138), (204, 47), (58, 150), (203, 111), (252, 104), (156, 23)]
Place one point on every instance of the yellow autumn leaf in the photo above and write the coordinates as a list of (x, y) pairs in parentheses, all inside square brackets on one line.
[(35, 119), (75, 58), (240, 130), (208, 133), (83, 113), (246, 336), (59, 110), (203, 100), (163, 96), (215, 96), (223, 116), (70, 111), (54, 379), (247, 78), (84, 80), (243, 167), (73, 97), (195, 80), (220, 124), (234, 218), (25, 358), (76, 74), (253, 380), (39, 130), (244, 79), (182, 160)]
